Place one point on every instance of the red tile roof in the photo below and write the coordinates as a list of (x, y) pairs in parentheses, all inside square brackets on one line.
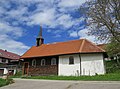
[(9, 55), (69, 47)]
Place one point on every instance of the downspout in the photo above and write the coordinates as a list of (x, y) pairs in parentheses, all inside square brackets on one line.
[(81, 47), (80, 64), (58, 66), (104, 63)]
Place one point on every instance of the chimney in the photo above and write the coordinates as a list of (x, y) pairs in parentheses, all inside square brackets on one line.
[(39, 39)]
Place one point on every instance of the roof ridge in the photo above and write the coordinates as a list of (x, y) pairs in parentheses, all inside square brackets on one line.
[(62, 42), (9, 55), (81, 47), (13, 53), (101, 44), (95, 45), (27, 51), (9, 52)]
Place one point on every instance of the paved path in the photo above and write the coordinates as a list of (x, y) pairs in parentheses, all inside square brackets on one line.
[(53, 84)]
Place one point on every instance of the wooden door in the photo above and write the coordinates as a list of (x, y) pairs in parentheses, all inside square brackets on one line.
[(26, 66)]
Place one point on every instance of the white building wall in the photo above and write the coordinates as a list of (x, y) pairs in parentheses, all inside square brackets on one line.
[(92, 64), (5, 71), (66, 69), (3, 62), (14, 71)]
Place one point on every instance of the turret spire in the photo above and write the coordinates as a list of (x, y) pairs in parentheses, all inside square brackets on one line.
[(40, 33), (39, 39)]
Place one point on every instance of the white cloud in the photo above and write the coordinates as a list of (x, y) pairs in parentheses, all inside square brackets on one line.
[(5, 28), (11, 45), (71, 3), (44, 17), (44, 12), (74, 34), (84, 34), (8, 34), (14, 13), (51, 19), (65, 20)]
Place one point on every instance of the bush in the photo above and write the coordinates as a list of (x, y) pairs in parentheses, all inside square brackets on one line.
[(112, 67)]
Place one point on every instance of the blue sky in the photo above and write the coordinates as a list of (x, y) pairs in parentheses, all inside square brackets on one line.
[(20, 22)]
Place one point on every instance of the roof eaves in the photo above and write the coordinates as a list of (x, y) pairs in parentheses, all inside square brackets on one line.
[(48, 55)]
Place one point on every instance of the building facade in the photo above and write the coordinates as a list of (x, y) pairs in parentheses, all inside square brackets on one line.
[(71, 58), (8, 62)]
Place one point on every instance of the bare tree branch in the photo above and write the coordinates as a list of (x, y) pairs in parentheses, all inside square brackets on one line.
[(103, 19)]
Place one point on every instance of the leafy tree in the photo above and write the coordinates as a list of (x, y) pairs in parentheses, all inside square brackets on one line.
[(103, 21), (103, 18), (113, 48)]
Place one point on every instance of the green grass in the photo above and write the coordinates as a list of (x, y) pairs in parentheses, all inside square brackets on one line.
[(4, 82), (17, 75), (106, 77)]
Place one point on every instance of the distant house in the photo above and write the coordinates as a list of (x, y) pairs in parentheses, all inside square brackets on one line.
[(8, 62), (71, 58)]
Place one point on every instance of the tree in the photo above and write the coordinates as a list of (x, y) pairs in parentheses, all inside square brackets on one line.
[(103, 22), (103, 19), (113, 50)]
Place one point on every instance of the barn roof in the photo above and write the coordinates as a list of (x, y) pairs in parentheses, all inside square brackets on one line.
[(60, 48), (9, 55)]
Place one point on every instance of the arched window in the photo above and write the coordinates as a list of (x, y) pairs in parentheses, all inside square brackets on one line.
[(42, 62), (71, 60), (53, 61), (33, 62)]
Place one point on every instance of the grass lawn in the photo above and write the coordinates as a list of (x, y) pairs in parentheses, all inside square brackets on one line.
[(17, 75), (106, 77), (4, 82)]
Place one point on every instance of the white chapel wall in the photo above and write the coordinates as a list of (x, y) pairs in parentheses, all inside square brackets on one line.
[(67, 69), (92, 64)]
